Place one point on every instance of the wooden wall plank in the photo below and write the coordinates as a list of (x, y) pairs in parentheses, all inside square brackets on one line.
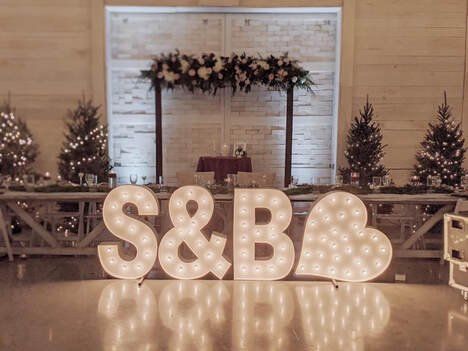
[(45, 64), (465, 87), (241, 3), (346, 77), (402, 53), (98, 56), (407, 54)]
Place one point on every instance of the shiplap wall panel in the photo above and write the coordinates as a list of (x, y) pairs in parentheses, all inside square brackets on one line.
[(395, 42), (45, 64), (194, 125), (406, 54), (259, 118)]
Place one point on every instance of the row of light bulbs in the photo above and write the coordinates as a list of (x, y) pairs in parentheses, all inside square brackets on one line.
[(336, 243)]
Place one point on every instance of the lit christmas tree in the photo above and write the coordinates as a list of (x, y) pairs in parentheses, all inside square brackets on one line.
[(442, 152), (364, 150), (85, 147), (17, 148)]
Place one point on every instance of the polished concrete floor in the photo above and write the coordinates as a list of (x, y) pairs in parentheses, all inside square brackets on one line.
[(62, 304)]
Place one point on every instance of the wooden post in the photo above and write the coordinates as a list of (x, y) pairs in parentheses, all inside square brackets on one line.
[(158, 132), (289, 136)]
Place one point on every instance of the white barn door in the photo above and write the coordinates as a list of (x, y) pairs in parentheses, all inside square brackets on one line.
[(196, 125)]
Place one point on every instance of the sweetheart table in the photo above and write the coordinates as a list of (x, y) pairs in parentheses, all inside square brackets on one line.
[(224, 165), (40, 213)]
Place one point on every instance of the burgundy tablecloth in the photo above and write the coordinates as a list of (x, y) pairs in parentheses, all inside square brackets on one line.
[(222, 166)]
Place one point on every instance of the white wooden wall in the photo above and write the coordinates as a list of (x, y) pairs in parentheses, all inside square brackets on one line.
[(403, 53), (194, 126)]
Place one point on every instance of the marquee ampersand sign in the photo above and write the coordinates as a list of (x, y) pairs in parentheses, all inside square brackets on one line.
[(188, 229), (137, 232), (338, 245)]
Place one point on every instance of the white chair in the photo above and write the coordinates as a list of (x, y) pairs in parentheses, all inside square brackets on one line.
[(188, 178), (260, 179), (461, 206)]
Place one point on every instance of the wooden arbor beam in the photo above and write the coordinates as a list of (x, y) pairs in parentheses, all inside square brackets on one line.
[(158, 132), (289, 136)]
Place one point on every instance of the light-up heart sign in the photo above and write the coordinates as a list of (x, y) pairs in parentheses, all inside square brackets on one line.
[(336, 243)]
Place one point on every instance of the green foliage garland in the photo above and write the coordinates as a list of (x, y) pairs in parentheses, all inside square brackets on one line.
[(210, 72)]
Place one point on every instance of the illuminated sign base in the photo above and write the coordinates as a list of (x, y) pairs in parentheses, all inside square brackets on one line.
[(336, 242)]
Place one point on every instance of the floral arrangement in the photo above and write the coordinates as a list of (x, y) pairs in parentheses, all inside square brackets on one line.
[(210, 72)]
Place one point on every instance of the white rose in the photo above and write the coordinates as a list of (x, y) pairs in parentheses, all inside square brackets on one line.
[(191, 72), (201, 61), (280, 63), (184, 65), (169, 76), (202, 73), (294, 79), (218, 66)]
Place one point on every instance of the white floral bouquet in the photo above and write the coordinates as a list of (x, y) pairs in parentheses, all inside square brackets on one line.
[(210, 72)]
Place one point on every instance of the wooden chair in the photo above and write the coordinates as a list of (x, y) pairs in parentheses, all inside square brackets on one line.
[(188, 178), (260, 179)]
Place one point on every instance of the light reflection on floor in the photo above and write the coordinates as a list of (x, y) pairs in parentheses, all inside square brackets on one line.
[(225, 315)]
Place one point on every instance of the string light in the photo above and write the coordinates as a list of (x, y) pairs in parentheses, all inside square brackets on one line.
[(17, 149)]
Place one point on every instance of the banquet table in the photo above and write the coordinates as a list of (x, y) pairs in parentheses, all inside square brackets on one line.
[(10, 206), (224, 165)]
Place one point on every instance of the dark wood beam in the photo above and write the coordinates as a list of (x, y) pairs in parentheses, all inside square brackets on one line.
[(289, 136), (158, 132)]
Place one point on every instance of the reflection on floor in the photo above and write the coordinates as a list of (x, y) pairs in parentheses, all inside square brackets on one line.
[(51, 304)]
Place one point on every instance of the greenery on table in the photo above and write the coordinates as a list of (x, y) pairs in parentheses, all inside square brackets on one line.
[(322, 189), (413, 190), (17, 147), (442, 150), (406, 189), (220, 189), (364, 151), (85, 147)]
